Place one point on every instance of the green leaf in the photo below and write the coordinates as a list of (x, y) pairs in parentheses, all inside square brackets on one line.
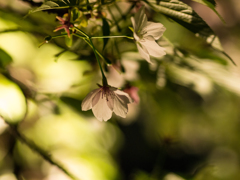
[(216, 45), (5, 59), (12, 101), (75, 14), (188, 18), (54, 4), (106, 31), (182, 14), (211, 4), (206, 2)]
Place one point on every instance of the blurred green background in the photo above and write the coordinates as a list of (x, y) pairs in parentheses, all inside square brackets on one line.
[(186, 125)]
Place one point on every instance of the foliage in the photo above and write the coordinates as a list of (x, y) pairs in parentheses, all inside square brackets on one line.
[(183, 124)]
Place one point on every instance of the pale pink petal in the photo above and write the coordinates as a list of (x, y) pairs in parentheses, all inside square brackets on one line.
[(120, 108), (101, 110), (87, 102), (96, 98), (60, 19), (110, 101), (144, 53), (155, 30), (58, 28), (124, 96), (153, 48)]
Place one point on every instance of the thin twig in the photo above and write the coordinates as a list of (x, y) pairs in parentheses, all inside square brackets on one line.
[(39, 150)]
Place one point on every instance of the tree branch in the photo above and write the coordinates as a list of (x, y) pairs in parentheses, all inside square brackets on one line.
[(36, 148)]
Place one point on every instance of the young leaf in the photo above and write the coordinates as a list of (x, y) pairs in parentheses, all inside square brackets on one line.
[(106, 31), (75, 14), (12, 101), (211, 4)]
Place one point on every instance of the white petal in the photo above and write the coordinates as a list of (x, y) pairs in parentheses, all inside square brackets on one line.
[(133, 23), (124, 96), (136, 37), (101, 110), (87, 102), (120, 108), (140, 19), (153, 48), (155, 30), (144, 53)]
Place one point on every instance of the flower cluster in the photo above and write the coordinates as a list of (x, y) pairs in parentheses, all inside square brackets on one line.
[(106, 99)]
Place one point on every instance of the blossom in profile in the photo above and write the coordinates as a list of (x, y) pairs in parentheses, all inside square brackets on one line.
[(105, 100), (145, 33)]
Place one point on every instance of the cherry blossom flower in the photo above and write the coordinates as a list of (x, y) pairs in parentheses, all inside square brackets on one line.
[(145, 33), (105, 100)]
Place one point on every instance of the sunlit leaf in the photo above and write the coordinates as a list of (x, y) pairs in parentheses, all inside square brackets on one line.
[(218, 74), (12, 101), (187, 77)]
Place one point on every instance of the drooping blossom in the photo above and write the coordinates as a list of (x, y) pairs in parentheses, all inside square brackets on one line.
[(145, 33), (105, 100)]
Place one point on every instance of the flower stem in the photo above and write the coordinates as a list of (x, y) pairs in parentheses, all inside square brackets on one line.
[(79, 30), (95, 37), (104, 79), (109, 63)]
